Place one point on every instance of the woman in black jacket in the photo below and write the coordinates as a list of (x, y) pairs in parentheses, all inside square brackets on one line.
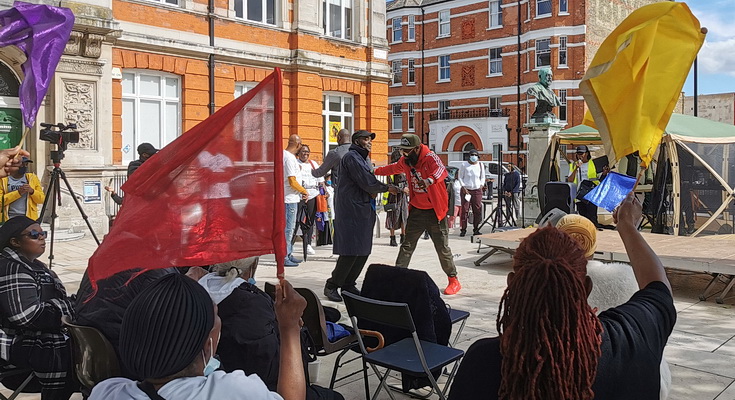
[(32, 302)]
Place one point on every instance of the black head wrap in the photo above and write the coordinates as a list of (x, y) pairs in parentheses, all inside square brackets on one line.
[(12, 228), (165, 327)]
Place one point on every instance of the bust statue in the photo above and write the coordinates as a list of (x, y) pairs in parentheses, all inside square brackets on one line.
[(546, 98)]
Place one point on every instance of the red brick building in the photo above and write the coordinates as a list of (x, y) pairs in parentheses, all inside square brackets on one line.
[(458, 67)]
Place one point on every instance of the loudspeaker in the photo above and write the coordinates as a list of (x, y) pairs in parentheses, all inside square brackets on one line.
[(559, 195)]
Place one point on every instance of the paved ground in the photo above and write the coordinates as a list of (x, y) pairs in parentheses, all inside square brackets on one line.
[(700, 351)]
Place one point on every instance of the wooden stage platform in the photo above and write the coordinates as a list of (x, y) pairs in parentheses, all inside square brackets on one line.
[(708, 254)]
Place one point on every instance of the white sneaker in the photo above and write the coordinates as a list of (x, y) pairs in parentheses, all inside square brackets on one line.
[(309, 250)]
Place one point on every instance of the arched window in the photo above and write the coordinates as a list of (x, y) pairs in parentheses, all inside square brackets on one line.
[(467, 147), (9, 84)]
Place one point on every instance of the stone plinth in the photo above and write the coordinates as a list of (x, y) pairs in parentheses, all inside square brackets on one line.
[(539, 137)]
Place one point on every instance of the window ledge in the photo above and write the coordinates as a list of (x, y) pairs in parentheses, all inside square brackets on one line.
[(543, 66), (492, 28), (543, 16), (395, 131), (563, 14), (562, 67), (444, 36), (391, 43), (411, 84), (411, 41), (396, 85), (527, 20), (443, 81), (494, 75)]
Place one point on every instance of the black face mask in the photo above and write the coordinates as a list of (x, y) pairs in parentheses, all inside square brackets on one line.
[(412, 158)]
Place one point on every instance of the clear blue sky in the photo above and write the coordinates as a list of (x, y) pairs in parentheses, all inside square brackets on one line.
[(716, 68)]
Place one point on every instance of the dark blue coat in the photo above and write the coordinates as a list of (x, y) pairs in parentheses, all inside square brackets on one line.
[(355, 215)]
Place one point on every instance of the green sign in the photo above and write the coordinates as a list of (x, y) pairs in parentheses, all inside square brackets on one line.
[(11, 127)]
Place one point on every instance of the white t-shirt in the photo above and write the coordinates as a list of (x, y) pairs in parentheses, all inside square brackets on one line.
[(290, 168), (456, 189), (472, 176), (218, 385), (310, 183)]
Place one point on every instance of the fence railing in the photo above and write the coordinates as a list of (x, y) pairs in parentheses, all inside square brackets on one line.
[(482, 112)]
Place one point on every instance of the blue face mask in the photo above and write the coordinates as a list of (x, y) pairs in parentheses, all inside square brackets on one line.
[(329, 183), (213, 363), (474, 159)]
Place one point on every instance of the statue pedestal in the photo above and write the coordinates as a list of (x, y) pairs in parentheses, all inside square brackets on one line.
[(539, 137)]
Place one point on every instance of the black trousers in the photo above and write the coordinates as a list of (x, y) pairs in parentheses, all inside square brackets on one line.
[(346, 271), (52, 366)]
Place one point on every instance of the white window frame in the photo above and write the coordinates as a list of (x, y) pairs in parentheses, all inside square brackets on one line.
[(444, 26), (342, 115), (442, 109), (540, 52), (538, 14), (396, 120), (139, 124), (565, 9), (411, 76), (444, 68), (495, 62), (346, 29), (411, 37), (167, 2), (494, 104), (411, 117), (264, 4), (563, 51), (495, 19), (397, 73), (243, 87), (397, 30), (563, 104)]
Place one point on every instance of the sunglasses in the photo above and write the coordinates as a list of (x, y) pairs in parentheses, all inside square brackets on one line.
[(35, 235)]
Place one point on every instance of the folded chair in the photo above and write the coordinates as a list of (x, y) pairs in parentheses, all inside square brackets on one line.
[(94, 357), (15, 374), (410, 356), (316, 324)]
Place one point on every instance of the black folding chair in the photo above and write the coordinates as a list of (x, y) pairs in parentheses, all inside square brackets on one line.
[(410, 356), (21, 376)]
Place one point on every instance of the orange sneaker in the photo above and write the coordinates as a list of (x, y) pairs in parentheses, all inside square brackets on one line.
[(453, 286)]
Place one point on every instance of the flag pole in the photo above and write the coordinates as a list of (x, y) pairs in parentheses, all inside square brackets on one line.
[(21, 143)]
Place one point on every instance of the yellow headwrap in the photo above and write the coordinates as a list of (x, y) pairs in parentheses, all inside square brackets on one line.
[(582, 230)]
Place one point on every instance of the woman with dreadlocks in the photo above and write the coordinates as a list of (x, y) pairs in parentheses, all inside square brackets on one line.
[(552, 346)]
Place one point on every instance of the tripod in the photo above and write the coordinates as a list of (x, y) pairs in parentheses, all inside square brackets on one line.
[(53, 190)]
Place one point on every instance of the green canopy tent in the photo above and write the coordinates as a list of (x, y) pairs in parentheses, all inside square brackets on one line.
[(691, 183)]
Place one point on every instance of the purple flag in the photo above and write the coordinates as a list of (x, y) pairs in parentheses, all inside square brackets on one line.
[(41, 32)]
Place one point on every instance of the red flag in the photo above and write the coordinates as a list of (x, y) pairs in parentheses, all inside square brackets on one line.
[(215, 194)]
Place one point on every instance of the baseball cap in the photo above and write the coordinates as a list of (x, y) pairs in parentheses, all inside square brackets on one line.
[(147, 148), (474, 152), (25, 159), (409, 141), (362, 133), (582, 149)]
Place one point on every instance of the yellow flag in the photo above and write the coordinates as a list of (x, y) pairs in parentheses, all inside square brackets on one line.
[(634, 80)]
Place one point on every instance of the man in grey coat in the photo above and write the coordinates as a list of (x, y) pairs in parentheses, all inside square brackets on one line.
[(353, 233), (334, 157)]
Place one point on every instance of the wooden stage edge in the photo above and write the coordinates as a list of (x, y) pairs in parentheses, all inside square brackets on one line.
[(707, 254)]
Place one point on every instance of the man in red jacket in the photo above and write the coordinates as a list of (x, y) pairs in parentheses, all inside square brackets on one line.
[(428, 204)]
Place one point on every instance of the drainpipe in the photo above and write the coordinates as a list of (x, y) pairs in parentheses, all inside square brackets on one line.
[(518, 114), (210, 19), (423, 75)]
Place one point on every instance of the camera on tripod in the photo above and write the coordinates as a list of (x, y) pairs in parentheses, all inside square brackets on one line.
[(61, 136)]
